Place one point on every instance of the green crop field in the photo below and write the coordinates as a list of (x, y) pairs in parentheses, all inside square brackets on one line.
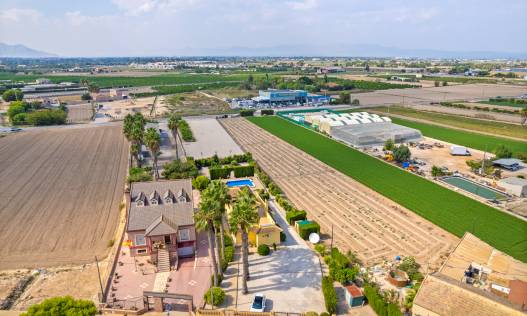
[(129, 81), (452, 211)]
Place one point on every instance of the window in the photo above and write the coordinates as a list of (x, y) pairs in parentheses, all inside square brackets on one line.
[(184, 235), (167, 239), (140, 240), (141, 251)]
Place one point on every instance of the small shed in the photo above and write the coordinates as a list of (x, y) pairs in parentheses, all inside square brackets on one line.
[(508, 163), (354, 296), (459, 151), (514, 186)]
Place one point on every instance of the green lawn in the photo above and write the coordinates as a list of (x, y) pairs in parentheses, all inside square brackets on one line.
[(468, 139), (505, 103), (450, 210)]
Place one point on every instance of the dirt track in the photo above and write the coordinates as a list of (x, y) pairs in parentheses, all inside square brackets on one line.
[(60, 193), (364, 221)]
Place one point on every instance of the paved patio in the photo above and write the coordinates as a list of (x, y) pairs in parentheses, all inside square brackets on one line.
[(191, 278), (290, 277), (211, 138)]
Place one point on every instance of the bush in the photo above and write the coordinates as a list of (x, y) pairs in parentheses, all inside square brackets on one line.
[(296, 215), (263, 250), (218, 295), (321, 249), (13, 95), (436, 171), (220, 173), (401, 153), (389, 144), (200, 183), (346, 275), (247, 113), (19, 119), (283, 236), (267, 112), (305, 230), (46, 117), (86, 97), (61, 306), (378, 304), (186, 132), (502, 152), (139, 175), (325, 314), (229, 253), (180, 170), (330, 295), (274, 189), (311, 314), (244, 171)]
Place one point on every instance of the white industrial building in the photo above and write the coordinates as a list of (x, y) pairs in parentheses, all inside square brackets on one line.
[(514, 186), (361, 128)]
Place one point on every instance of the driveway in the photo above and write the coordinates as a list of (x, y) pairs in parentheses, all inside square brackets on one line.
[(290, 277)]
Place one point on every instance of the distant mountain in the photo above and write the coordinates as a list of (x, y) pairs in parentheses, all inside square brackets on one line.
[(7, 50), (345, 50)]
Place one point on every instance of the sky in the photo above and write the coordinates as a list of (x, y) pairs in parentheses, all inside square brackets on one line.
[(200, 27)]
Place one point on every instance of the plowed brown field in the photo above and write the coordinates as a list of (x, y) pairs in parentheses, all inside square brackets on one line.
[(60, 190)]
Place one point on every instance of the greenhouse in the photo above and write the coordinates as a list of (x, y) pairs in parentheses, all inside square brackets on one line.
[(375, 134)]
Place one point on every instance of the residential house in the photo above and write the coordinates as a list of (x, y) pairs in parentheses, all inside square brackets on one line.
[(161, 220), (265, 232)]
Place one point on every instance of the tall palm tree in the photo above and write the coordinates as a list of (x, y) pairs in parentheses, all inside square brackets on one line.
[(243, 216), (220, 196), (153, 142), (137, 135), (127, 131), (204, 219), (173, 124)]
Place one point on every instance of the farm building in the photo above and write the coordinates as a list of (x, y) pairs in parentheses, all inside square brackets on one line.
[(361, 128), (514, 186), (508, 163), (475, 280), (354, 296)]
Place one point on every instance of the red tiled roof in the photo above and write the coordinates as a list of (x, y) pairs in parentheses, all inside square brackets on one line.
[(354, 290)]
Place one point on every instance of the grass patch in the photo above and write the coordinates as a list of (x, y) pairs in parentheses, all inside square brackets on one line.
[(505, 102), (452, 211), (497, 128)]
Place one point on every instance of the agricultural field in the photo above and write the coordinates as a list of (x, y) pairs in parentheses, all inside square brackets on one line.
[(449, 210), (61, 190), (80, 113), (363, 220), (163, 90), (476, 125), (132, 81), (196, 103)]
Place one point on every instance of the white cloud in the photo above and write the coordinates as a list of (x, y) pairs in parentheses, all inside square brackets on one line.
[(17, 15), (302, 5), (138, 7)]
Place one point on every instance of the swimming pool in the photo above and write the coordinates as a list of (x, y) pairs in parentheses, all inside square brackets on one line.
[(240, 183), (475, 188)]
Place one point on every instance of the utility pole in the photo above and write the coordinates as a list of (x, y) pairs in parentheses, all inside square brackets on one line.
[(331, 248), (100, 280)]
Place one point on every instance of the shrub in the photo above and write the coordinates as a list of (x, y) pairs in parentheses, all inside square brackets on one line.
[(229, 253), (274, 189), (63, 306), (247, 113), (137, 174), (186, 132), (86, 97), (220, 173), (267, 112), (244, 171), (330, 295), (321, 249), (218, 295), (17, 107), (200, 183), (263, 250), (305, 230), (311, 314), (283, 236), (437, 172), (325, 314), (19, 119), (13, 95), (346, 275), (296, 215), (46, 117), (401, 153), (502, 152), (378, 304), (389, 144)]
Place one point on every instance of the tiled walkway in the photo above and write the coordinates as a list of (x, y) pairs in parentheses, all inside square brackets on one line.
[(191, 278)]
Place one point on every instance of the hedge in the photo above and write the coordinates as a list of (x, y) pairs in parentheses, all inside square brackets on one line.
[(294, 216), (186, 132), (220, 173), (218, 296), (246, 112), (330, 295), (306, 229), (378, 304), (216, 161), (243, 171), (267, 112)]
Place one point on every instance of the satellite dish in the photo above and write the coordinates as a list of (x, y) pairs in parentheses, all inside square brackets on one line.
[(314, 238)]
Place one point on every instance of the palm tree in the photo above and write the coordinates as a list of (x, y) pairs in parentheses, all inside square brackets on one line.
[(243, 216), (204, 219), (173, 124), (127, 131), (137, 134), (220, 195), (153, 142)]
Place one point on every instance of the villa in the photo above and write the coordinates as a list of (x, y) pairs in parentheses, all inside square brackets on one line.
[(160, 221), (265, 232)]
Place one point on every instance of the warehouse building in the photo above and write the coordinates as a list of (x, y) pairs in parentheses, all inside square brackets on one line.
[(289, 97), (361, 129)]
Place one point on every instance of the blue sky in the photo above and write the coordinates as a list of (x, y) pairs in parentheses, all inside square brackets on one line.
[(179, 27)]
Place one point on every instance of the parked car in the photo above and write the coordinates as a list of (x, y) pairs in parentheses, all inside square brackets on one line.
[(15, 129), (258, 304)]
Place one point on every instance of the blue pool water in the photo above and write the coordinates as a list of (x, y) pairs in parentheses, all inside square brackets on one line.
[(240, 183)]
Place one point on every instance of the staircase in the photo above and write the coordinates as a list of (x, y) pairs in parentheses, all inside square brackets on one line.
[(163, 260)]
